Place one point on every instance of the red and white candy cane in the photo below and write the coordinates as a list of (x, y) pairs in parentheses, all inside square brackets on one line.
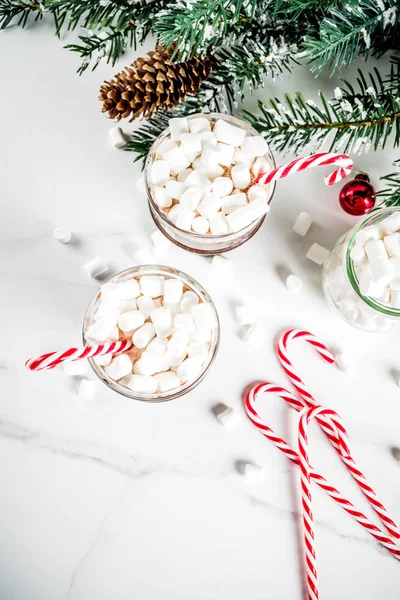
[(343, 161), (53, 359), (325, 423)]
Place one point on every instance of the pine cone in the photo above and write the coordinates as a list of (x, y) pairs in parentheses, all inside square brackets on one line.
[(152, 83)]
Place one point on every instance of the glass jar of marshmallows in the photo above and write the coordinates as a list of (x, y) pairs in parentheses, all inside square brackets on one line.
[(198, 178), (172, 323), (361, 276)]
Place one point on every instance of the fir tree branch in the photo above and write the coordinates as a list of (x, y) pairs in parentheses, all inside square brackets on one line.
[(95, 47), (19, 11), (356, 119), (349, 30), (391, 195), (296, 8)]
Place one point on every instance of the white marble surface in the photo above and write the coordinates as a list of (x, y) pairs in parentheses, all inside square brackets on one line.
[(114, 499)]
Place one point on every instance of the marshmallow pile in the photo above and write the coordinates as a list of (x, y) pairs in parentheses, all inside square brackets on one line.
[(170, 328), (202, 175), (376, 257)]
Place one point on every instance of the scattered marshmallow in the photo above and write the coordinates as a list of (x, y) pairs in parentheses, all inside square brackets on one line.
[(228, 418), (62, 234), (143, 384), (221, 265), (96, 267), (254, 473), (245, 315), (254, 335), (317, 254), (302, 224), (117, 137), (144, 256), (294, 283), (161, 244), (342, 362), (87, 389), (120, 366), (75, 367)]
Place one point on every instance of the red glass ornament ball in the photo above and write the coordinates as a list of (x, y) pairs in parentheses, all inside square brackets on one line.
[(358, 197)]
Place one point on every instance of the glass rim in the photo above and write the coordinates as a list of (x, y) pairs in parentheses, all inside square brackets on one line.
[(214, 344), (376, 214), (194, 234)]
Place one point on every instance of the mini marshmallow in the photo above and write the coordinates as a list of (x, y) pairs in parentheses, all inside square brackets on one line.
[(62, 234), (164, 147), (152, 285), (173, 213), (144, 256), (120, 366), (257, 192), (302, 224), (117, 137), (392, 244), (242, 157), (143, 335), (103, 360), (110, 295), (221, 265), (375, 250), (294, 283), (177, 161), (162, 320), (222, 186), (208, 137), (160, 196), (100, 330), (189, 368), (189, 300), (160, 172), (128, 289), (108, 312), (395, 284), (210, 155), (75, 367), (178, 343), (184, 219), (342, 362), (196, 179), (242, 217), (174, 308), (203, 316), (228, 418), (225, 154), (185, 322), (114, 335), (183, 175), (167, 381), (161, 243), (317, 254), (190, 198), (260, 165), (175, 189), (209, 171), (357, 254), (177, 126), (255, 145), (245, 315), (131, 320), (233, 202), (197, 349), (191, 142), (142, 383), (149, 364), (254, 335), (200, 225), (87, 389), (254, 473), (229, 134), (199, 124), (240, 176), (218, 224), (96, 267), (210, 205), (369, 233), (173, 290), (157, 346), (146, 305), (367, 285), (391, 224)]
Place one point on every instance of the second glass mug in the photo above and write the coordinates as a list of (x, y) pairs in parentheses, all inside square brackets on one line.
[(207, 244)]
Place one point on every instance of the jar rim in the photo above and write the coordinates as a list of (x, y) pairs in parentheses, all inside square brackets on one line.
[(376, 215), (163, 216), (195, 286)]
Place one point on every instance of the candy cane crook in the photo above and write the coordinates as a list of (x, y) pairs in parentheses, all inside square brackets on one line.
[(53, 359), (344, 163)]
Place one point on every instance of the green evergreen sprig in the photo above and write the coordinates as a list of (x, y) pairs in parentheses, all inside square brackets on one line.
[(19, 12), (356, 119), (391, 195)]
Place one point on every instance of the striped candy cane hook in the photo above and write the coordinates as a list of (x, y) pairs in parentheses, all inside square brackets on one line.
[(344, 162)]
